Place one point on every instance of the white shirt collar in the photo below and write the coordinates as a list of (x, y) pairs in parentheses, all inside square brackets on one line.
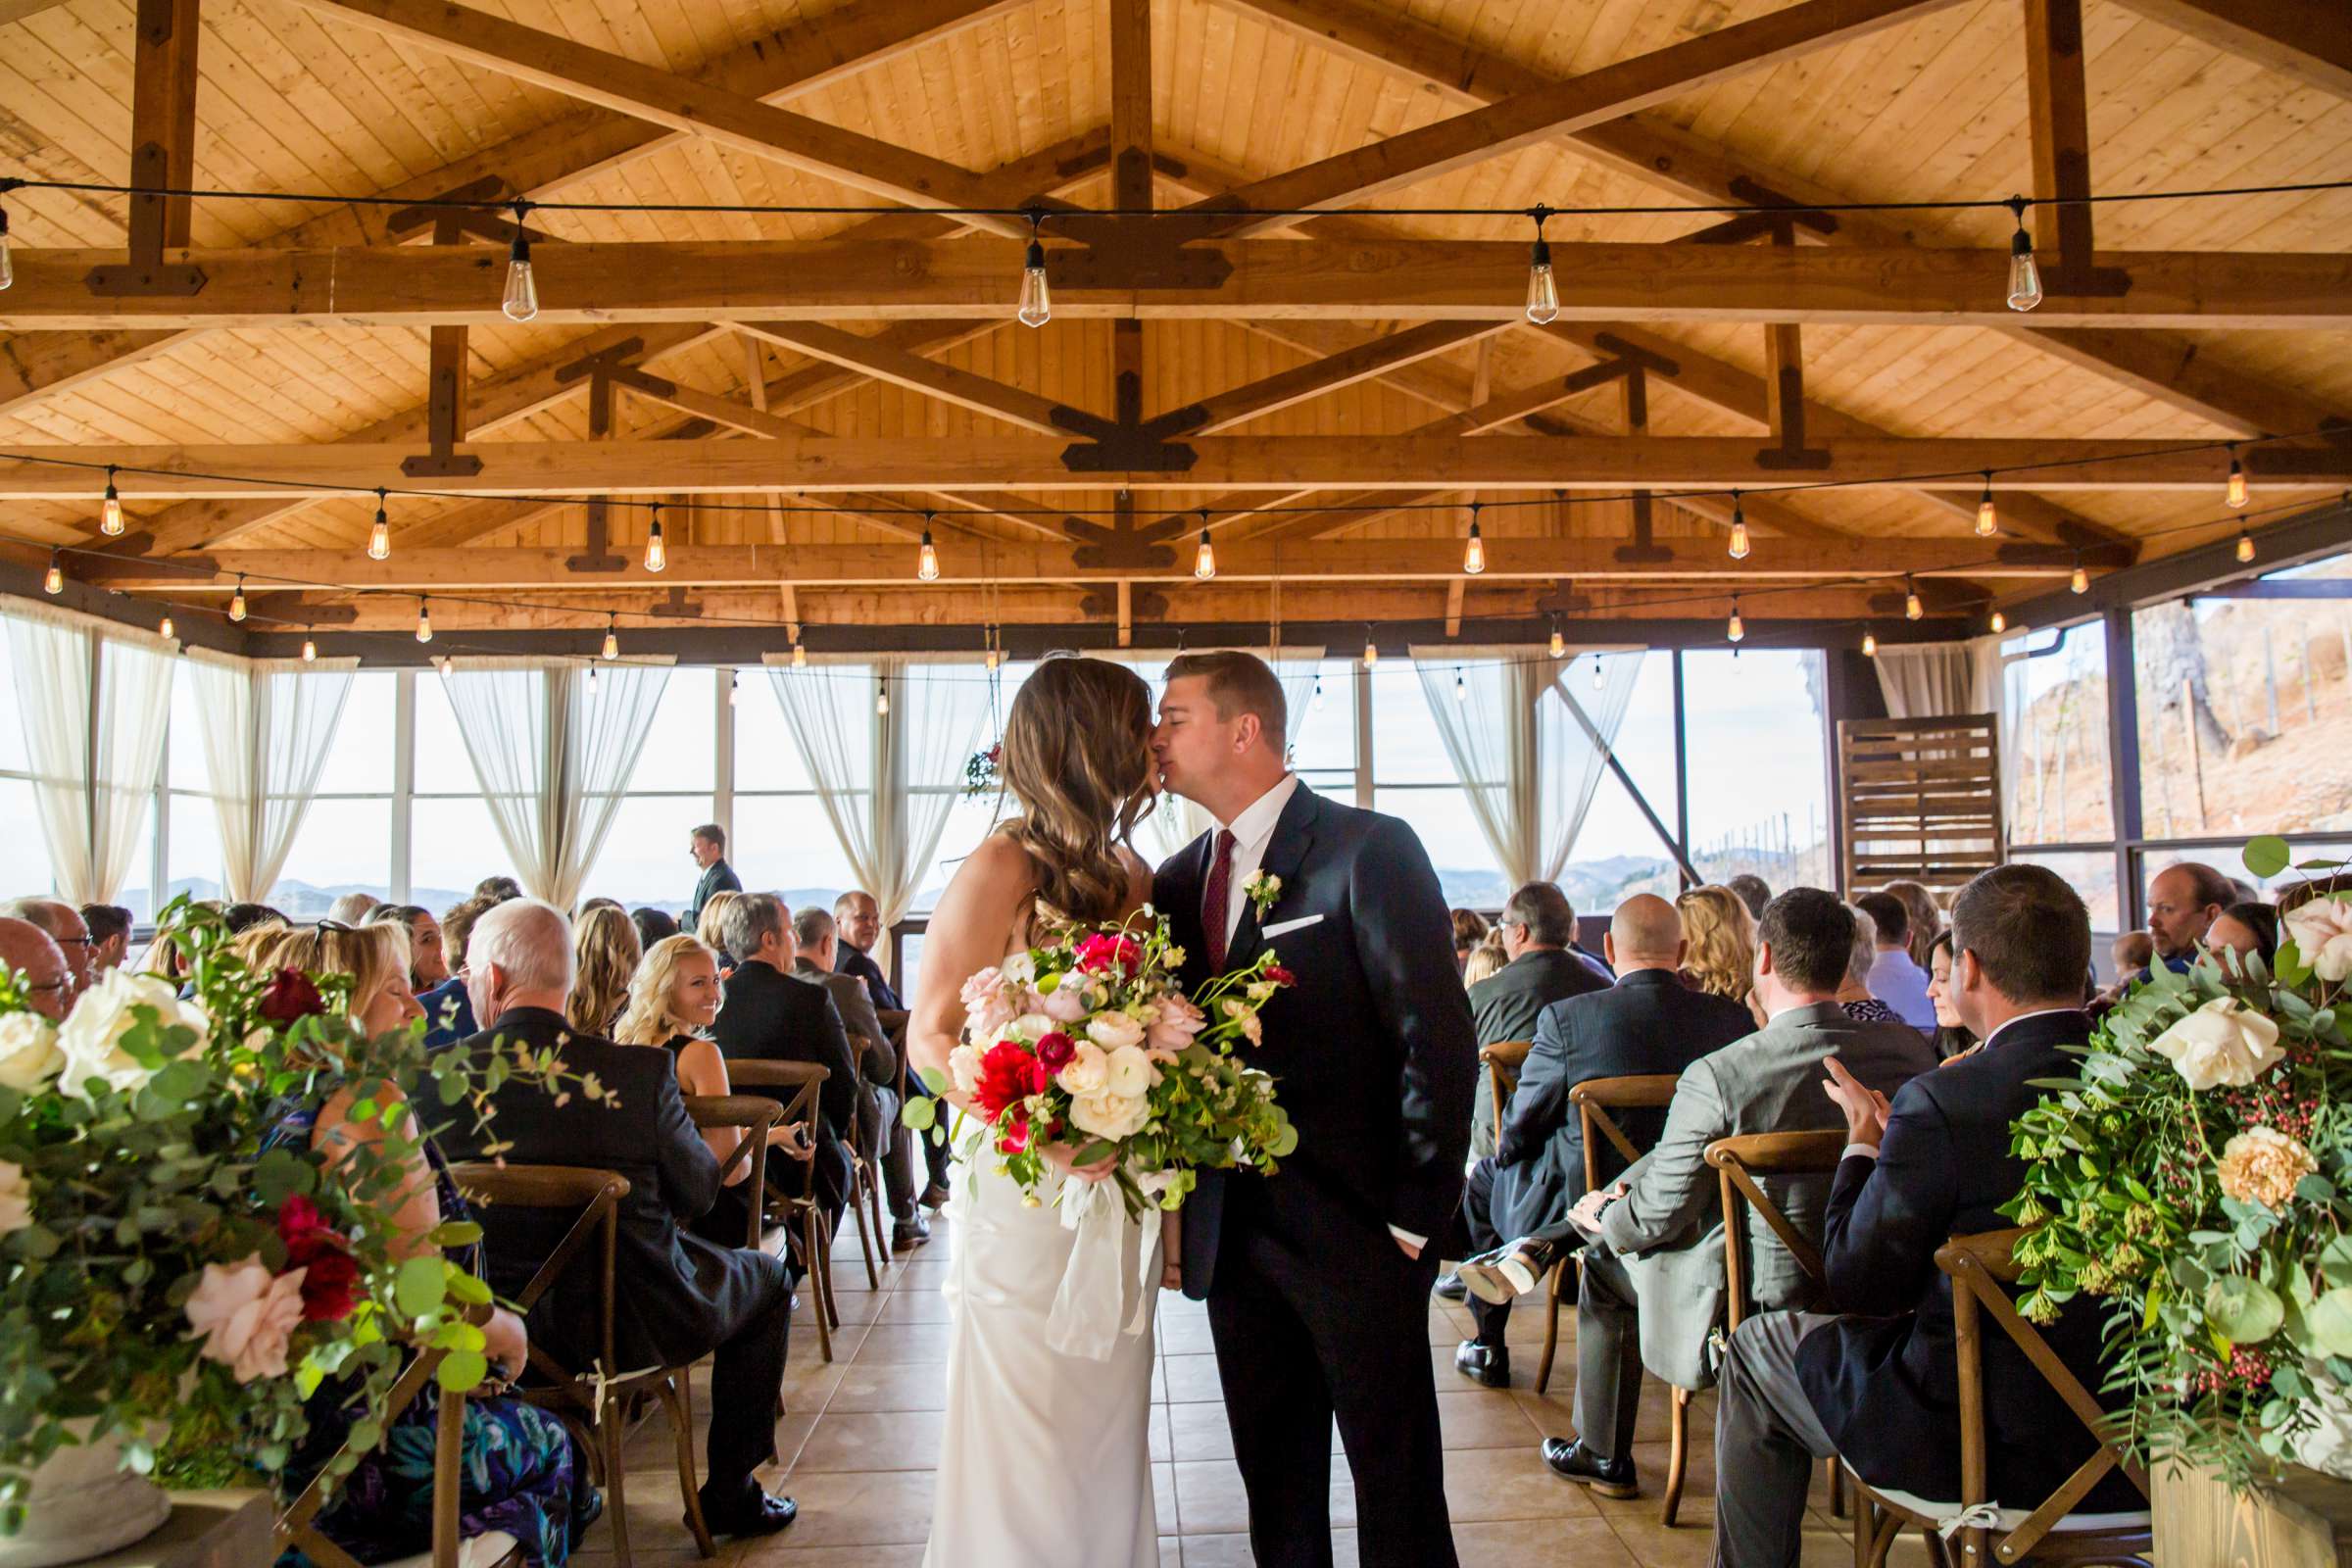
[(2038, 1012), (1253, 825)]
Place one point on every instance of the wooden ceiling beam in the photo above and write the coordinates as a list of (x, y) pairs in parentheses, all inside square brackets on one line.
[(1352, 280), (2308, 40), (1367, 361), (681, 103), (1022, 409)]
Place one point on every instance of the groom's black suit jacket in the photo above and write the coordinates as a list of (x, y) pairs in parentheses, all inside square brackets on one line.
[(1373, 1053)]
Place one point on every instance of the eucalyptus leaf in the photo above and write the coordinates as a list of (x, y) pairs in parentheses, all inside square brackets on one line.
[(2266, 855), (418, 1287), (2331, 1322), (461, 1370), (2243, 1311)]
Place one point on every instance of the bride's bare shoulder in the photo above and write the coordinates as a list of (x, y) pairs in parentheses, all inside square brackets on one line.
[(996, 872)]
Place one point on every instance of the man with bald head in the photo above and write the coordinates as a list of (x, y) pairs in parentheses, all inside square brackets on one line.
[(66, 927), (27, 950), (1648, 1022)]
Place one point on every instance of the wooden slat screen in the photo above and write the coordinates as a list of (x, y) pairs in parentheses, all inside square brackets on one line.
[(1921, 800)]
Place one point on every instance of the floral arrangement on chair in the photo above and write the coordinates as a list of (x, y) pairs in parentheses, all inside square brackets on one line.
[(160, 1268), (980, 771), (2198, 1177)]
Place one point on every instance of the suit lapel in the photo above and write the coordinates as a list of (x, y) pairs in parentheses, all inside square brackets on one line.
[(1286, 852)]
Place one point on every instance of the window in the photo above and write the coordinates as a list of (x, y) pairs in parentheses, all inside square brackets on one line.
[(2059, 789), (1758, 785), (345, 842), (643, 859), (782, 842), (23, 853), (2092, 874), (973, 816), (1413, 778), (1616, 853)]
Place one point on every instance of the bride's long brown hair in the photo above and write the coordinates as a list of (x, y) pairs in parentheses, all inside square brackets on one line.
[(1078, 760)]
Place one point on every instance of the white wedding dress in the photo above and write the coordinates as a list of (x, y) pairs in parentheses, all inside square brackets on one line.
[(1045, 1458)]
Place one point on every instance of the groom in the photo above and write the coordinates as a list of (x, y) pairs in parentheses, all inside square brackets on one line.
[(1318, 1280)]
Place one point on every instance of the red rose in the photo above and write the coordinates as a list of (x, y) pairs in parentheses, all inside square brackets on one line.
[(1053, 1053), (1008, 1075), (303, 1229), (1106, 950), (291, 996), (1281, 976), (1014, 1137), (331, 1287)]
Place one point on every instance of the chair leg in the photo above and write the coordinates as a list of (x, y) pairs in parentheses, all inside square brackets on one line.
[(865, 1236), (1551, 1328), (815, 1256), (824, 1235), (677, 1397), (873, 1195), (1837, 1486), (1678, 1458), (615, 1431)]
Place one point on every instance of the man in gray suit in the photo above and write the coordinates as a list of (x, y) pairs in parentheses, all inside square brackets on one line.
[(1537, 925), (1657, 1235), (814, 941)]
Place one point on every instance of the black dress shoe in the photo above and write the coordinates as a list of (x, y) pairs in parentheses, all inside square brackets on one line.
[(1571, 1460), (1450, 1286), (754, 1513), (935, 1195), (1489, 1365), (912, 1231)]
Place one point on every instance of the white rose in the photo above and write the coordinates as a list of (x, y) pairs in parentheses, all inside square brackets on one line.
[(1021, 970), (28, 1053), (2323, 933), (1086, 1071), (91, 1037), (1108, 1115), (963, 1066), (16, 1199), (1129, 1072), (1114, 1031), (1029, 1028), (2221, 1042)]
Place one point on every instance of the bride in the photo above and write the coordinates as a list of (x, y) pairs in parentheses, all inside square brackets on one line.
[(1045, 1459)]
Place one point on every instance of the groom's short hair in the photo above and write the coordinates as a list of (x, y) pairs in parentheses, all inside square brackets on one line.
[(1238, 683)]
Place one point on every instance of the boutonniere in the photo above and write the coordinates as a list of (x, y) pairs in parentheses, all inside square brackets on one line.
[(1262, 890)]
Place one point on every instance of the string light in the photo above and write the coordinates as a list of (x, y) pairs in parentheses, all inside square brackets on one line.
[(1474, 552), (994, 654), (1869, 644), (1988, 520), (2080, 582), (1461, 687), (730, 688), (612, 648), (2025, 277), (881, 696), (236, 600), (1543, 290), (1037, 304), (1999, 622), (1205, 559), (800, 654), (591, 687), (109, 514), (521, 301), (1559, 644), (424, 620), (7, 265), (167, 630), (657, 554), (449, 667), (926, 559), (1736, 628), (55, 582), (2235, 495), (2245, 548), (310, 651), (1912, 607), (379, 535), (1371, 647), (1739, 545), (1318, 703), (1599, 676)]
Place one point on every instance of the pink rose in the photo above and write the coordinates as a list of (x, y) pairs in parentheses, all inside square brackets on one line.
[(1178, 1021), (991, 1001), (1066, 1003), (246, 1314)]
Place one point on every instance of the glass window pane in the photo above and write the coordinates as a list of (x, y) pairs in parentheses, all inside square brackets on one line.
[(644, 858), (2092, 876), (784, 845), (681, 747), (765, 758), (2245, 712), (442, 765), (1440, 815), (969, 820), (1616, 853), (1405, 745), (24, 853), (343, 845), (1759, 786), (2059, 789), (1324, 734), (360, 762), (452, 842), (194, 866)]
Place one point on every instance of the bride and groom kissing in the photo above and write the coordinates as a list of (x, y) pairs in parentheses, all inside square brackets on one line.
[(1316, 1280)]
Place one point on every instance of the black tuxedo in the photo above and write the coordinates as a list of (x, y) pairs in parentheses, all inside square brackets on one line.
[(1885, 1381), (1505, 1005), (848, 960), (717, 877), (676, 1296), (769, 1015), (1316, 1311)]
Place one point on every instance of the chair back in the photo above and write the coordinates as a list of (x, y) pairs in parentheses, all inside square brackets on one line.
[(1739, 1162), (1504, 1060), (754, 1114), (597, 1196), (1982, 1267), (802, 1083), (1595, 1098)]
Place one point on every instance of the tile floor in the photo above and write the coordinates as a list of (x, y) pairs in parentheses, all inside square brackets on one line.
[(860, 1437)]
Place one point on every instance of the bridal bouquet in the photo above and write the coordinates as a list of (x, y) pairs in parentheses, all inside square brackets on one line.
[(1088, 1040)]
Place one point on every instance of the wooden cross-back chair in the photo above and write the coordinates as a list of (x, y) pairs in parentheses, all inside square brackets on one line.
[(1594, 1100), (1982, 1267), (799, 1086), (296, 1527), (1504, 1061), (865, 1195), (754, 1115), (595, 1401), (1739, 1162)]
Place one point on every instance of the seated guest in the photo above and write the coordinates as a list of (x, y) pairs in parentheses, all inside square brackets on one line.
[(242, 916), (1469, 930), (1719, 946), (1927, 920), (65, 928), (1536, 927), (1648, 1022), (1881, 1387), (707, 845), (710, 927), (2131, 952), (1894, 978), (519, 1472), (677, 1297), (496, 889), (2245, 930), (605, 954), (1751, 891), (448, 1009), (429, 962), (352, 907), (1594, 961), (2182, 901), (1485, 960), (1854, 995), (27, 950), (1653, 1285), (889, 1140), (765, 1014), (1953, 1038), (859, 920), (673, 1000), (109, 936), (652, 925)]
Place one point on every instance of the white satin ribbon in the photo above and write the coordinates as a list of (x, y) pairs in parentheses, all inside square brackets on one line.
[(1976, 1516), (1085, 1320)]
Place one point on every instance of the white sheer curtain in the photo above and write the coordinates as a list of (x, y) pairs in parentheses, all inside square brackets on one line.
[(91, 791), (552, 758), (1177, 821), (267, 725), (1936, 680), (1526, 765)]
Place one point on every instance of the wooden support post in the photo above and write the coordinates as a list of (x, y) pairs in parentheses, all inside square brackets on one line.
[(445, 401), (163, 154), (1635, 388), (598, 554), (2061, 129)]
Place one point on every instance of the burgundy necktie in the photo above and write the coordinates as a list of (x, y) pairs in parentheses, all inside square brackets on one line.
[(1213, 901)]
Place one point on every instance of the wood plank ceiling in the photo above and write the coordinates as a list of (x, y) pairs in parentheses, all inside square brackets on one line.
[(855, 390)]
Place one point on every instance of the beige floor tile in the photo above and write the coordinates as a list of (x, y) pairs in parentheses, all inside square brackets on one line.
[(1185, 1336), (859, 1508), (1485, 1420), (866, 1388), (912, 1306), (1510, 1484), (905, 1344), (1192, 1379), (785, 1552), (1211, 1500), (898, 1440)]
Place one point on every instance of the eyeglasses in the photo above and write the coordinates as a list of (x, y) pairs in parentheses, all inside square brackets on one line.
[(58, 984)]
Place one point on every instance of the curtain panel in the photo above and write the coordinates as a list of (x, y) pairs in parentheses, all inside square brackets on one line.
[(267, 726)]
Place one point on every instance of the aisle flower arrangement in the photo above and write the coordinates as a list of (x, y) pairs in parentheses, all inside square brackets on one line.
[(2197, 1176), (160, 1270), (1087, 1039)]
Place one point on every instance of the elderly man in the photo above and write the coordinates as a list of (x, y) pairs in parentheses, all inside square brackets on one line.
[(813, 940), (1538, 928), (858, 919), (677, 1297), (27, 950), (2182, 901), (65, 928)]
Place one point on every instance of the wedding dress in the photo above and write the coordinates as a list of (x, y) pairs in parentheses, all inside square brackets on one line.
[(1045, 1458)]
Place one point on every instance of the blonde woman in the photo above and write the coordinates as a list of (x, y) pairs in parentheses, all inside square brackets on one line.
[(709, 930), (1722, 936), (604, 947), (1487, 959)]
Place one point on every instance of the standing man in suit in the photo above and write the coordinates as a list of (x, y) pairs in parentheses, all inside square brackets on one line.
[(708, 844), (884, 1134), (1654, 1286), (1882, 1385), (1538, 929), (676, 1298), (1649, 1022), (1317, 1279)]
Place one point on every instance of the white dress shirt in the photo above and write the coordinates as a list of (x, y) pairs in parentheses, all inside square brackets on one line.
[(1252, 829)]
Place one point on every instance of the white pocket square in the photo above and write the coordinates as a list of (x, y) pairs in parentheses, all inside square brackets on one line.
[(1299, 925)]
